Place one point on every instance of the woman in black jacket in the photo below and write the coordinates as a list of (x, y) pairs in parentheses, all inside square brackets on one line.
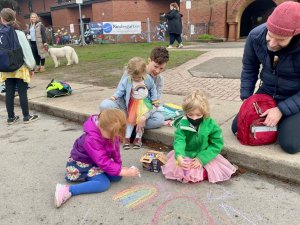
[(174, 25)]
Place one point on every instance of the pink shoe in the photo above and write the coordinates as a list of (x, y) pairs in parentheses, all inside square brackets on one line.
[(62, 194)]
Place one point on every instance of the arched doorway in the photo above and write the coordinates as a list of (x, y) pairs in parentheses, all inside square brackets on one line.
[(255, 14)]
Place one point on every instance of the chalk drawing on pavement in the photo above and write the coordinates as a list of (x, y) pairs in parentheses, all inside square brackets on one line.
[(135, 196)]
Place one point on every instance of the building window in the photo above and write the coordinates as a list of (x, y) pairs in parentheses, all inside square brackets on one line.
[(62, 1)]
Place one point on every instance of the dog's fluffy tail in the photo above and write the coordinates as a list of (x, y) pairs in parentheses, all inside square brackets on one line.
[(74, 57)]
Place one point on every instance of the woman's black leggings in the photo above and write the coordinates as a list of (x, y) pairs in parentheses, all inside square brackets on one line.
[(38, 60), (288, 133), (10, 85), (174, 37)]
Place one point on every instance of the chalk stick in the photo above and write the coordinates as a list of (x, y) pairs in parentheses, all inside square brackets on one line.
[(139, 173)]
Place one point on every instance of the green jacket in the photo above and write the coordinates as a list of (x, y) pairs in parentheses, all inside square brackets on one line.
[(205, 144)]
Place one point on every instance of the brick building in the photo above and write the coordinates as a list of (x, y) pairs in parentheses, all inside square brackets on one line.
[(228, 19)]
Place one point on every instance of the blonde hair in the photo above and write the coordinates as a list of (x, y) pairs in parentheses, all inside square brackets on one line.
[(196, 100), (175, 6), (136, 66), (9, 16), (114, 122), (37, 17)]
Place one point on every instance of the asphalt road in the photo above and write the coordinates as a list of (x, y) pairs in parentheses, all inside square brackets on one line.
[(33, 158)]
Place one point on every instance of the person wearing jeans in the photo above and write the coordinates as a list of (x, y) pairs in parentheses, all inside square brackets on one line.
[(157, 62), (18, 79)]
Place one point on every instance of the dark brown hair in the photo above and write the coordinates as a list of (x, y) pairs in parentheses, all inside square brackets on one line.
[(159, 55), (175, 6), (9, 16)]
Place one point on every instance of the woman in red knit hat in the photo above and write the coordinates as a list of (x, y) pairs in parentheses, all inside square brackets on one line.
[(275, 46)]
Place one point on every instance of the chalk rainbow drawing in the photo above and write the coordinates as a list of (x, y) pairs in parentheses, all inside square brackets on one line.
[(135, 196), (202, 209)]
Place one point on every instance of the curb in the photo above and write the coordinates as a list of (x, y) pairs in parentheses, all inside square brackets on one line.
[(252, 160)]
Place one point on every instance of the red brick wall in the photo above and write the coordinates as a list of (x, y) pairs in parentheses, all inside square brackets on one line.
[(200, 13), (102, 11), (62, 18), (140, 10), (121, 10), (37, 6)]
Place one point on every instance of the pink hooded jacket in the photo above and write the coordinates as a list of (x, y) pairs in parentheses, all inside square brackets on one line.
[(93, 148)]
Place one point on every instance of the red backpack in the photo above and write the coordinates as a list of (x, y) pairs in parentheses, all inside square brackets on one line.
[(250, 127)]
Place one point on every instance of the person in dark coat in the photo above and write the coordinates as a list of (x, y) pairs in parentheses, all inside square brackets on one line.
[(174, 25), (276, 47)]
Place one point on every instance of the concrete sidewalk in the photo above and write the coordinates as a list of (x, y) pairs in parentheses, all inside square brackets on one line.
[(85, 99), (223, 97)]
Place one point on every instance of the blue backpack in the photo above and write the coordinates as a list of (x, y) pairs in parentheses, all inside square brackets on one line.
[(11, 54)]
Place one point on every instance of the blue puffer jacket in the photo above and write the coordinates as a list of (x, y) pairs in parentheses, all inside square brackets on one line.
[(283, 82)]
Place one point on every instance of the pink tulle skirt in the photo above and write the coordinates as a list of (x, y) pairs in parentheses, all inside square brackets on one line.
[(219, 169)]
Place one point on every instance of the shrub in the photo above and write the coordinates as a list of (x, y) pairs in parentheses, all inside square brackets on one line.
[(206, 37)]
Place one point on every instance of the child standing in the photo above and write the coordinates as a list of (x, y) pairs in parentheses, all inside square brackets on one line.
[(95, 157), (140, 94), (18, 79), (198, 142)]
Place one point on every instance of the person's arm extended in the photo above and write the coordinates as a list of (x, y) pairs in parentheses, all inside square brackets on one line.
[(291, 105), (160, 86), (179, 143), (101, 159), (121, 89), (43, 34), (250, 69), (27, 52), (215, 144), (170, 15)]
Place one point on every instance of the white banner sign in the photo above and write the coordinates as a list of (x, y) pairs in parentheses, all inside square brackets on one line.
[(130, 27), (72, 28), (188, 4), (79, 1), (192, 29)]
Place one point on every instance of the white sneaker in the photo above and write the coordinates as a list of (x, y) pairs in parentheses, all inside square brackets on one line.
[(62, 194), (180, 45), (170, 46)]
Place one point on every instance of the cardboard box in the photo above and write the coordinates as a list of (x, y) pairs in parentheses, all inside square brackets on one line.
[(153, 160)]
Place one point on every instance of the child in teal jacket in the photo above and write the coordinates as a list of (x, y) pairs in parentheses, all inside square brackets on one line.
[(198, 142)]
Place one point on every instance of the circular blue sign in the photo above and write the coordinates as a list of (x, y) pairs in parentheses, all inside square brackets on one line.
[(107, 28)]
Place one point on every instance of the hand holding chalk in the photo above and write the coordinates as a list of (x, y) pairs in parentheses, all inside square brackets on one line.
[(133, 167)]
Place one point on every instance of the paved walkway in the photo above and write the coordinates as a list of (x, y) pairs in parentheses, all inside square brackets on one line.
[(179, 80), (224, 103)]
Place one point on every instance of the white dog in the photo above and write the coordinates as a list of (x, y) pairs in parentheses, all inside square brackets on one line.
[(67, 52)]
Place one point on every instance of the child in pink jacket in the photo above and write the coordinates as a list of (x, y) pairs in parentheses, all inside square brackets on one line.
[(95, 158)]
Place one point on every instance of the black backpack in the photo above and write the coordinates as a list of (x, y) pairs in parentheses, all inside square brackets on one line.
[(11, 54)]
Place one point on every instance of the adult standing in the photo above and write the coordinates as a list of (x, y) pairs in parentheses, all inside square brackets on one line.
[(36, 34), (276, 47), (157, 62), (21, 77), (174, 25)]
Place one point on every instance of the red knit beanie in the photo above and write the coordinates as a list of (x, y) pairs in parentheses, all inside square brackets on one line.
[(285, 19)]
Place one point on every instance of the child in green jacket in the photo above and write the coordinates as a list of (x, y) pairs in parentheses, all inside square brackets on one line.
[(198, 142)]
